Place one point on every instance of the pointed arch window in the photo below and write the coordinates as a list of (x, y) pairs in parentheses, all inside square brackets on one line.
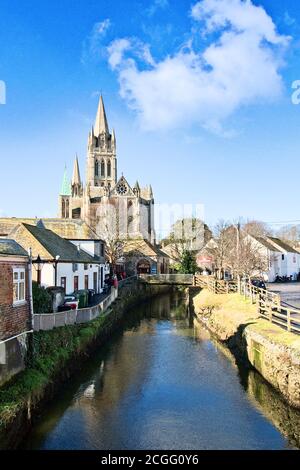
[(109, 168), (67, 208), (63, 209), (96, 168), (102, 168)]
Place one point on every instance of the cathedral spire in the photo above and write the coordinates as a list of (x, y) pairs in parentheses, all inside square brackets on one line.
[(101, 125), (76, 173), (65, 187)]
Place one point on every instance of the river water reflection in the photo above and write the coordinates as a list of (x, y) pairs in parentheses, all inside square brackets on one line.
[(164, 383)]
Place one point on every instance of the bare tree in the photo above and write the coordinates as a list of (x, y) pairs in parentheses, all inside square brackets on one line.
[(189, 234), (236, 251), (108, 231), (221, 247), (257, 228), (247, 259)]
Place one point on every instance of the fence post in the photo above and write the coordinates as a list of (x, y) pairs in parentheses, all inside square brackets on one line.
[(270, 312), (288, 312)]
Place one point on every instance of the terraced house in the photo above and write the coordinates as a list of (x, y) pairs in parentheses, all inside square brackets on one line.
[(15, 310), (59, 262)]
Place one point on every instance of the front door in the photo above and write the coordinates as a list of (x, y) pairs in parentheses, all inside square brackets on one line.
[(75, 283), (86, 281), (95, 283), (101, 277)]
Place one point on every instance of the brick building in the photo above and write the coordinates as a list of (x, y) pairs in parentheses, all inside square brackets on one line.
[(14, 308)]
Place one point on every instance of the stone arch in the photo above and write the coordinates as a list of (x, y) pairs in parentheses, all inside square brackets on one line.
[(143, 266)]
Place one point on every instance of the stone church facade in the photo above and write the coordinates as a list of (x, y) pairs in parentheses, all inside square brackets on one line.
[(106, 202)]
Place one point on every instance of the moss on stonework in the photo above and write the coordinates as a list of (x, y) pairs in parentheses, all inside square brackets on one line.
[(276, 334)]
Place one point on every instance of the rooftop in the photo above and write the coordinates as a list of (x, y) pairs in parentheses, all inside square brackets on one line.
[(53, 245), (71, 229), (11, 248)]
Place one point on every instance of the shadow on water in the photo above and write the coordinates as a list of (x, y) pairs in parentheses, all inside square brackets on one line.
[(263, 396), (162, 308), (140, 380)]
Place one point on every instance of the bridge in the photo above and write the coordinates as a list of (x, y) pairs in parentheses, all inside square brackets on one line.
[(168, 279)]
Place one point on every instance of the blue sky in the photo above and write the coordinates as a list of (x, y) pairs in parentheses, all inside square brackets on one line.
[(198, 127)]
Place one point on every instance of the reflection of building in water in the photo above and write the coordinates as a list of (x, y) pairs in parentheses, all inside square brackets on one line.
[(127, 367)]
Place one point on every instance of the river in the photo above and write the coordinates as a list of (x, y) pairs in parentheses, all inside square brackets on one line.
[(162, 382)]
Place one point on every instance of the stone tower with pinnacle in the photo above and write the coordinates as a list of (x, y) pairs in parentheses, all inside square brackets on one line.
[(103, 188)]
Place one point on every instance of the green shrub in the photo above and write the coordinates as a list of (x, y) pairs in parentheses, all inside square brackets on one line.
[(42, 300)]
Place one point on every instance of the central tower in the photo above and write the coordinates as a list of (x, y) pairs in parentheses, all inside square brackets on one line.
[(101, 158)]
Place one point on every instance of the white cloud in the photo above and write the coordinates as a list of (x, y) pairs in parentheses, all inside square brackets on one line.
[(240, 66), (156, 5), (288, 19), (93, 44)]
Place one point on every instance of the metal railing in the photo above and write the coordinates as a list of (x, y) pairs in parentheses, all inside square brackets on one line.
[(184, 279), (269, 305)]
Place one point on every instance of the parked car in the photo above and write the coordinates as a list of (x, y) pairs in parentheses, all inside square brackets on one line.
[(259, 283), (82, 296), (71, 301)]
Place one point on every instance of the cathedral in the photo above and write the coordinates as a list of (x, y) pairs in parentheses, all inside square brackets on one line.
[(106, 202)]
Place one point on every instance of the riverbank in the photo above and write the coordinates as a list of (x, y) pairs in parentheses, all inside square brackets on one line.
[(272, 351), (58, 354)]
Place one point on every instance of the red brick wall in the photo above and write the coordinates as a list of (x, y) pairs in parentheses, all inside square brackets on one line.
[(13, 320)]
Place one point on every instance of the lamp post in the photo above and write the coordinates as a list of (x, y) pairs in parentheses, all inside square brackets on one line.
[(56, 261), (39, 269)]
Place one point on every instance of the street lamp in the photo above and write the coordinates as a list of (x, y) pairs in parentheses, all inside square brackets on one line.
[(39, 266), (56, 261)]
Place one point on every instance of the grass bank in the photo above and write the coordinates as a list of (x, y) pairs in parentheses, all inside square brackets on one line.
[(224, 314)]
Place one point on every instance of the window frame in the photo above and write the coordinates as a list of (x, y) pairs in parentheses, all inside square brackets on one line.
[(19, 282)]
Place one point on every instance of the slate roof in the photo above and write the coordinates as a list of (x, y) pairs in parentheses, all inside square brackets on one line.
[(57, 246), (143, 247), (283, 245), (11, 248), (266, 244), (71, 229)]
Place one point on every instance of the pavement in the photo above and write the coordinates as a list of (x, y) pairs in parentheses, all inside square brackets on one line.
[(288, 291)]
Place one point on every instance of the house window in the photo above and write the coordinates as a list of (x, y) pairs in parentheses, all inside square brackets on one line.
[(294, 259), (63, 283), (282, 257), (86, 266), (102, 249), (18, 285)]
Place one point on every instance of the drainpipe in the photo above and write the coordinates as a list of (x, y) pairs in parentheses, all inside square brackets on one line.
[(31, 317), (30, 287)]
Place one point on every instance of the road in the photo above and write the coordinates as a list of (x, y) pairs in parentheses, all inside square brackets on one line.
[(289, 292)]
